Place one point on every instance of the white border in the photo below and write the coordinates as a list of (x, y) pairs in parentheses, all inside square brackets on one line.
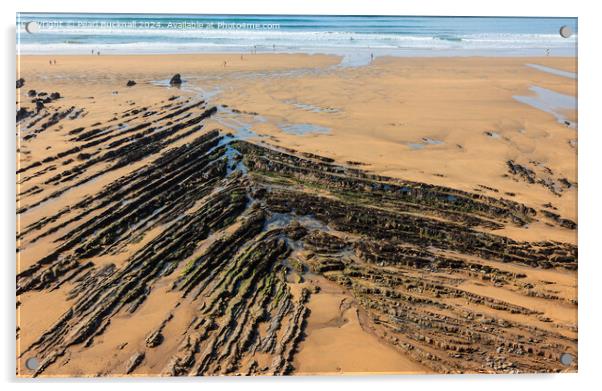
[(312, 7), (590, 191)]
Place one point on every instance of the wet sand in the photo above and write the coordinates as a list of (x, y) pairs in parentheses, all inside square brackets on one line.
[(337, 342), (446, 121)]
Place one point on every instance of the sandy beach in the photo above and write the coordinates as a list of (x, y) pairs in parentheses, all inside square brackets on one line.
[(378, 115), (459, 124)]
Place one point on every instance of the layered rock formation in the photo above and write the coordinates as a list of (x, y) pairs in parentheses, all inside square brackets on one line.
[(219, 238)]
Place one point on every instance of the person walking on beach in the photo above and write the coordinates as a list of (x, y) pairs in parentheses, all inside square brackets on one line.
[(224, 64), (371, 57)]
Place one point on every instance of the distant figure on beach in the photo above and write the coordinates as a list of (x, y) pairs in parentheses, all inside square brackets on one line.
[(547, 52), (371, 57), (50, 62), (54, 62), (98, 53), (274, 47), (92, 51), (254, 48), (241, 58), (224, 64)]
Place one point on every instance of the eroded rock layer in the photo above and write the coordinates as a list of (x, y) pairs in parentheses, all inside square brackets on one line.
[(193, 253)]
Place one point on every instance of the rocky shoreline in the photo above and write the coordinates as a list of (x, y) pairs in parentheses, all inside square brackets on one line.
[(233, 221)]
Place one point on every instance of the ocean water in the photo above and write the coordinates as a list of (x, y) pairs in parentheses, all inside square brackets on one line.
[(351, 36)]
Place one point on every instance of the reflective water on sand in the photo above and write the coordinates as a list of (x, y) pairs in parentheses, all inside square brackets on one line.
[(300, 129), (553, 71), (425, 141), (551, 102)]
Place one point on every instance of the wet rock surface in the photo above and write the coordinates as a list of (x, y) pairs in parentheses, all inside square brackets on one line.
[(175, 80), (537, 173), (220, 225)]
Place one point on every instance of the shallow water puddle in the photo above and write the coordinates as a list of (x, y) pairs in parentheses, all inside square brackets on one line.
[(282, 220), (310, 107), (301, 129), (243, 123), (553, 71), (243, 129), (187, 86), (425, 141), (551, 102), (494, 135)]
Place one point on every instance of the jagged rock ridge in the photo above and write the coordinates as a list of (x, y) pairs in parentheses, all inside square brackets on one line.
[(226, 222)]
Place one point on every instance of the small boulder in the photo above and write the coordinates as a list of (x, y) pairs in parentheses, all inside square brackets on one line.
[(55, 95), (84, 156), (20, 82), (154, 339), (134, 362), (131, 83), (22, 113), (176, 80), (32, 93), (39, 105)]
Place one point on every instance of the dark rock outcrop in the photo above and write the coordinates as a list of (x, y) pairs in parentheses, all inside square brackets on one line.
[(39, 105), (23, 113), (175, 80), (134, 362)]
